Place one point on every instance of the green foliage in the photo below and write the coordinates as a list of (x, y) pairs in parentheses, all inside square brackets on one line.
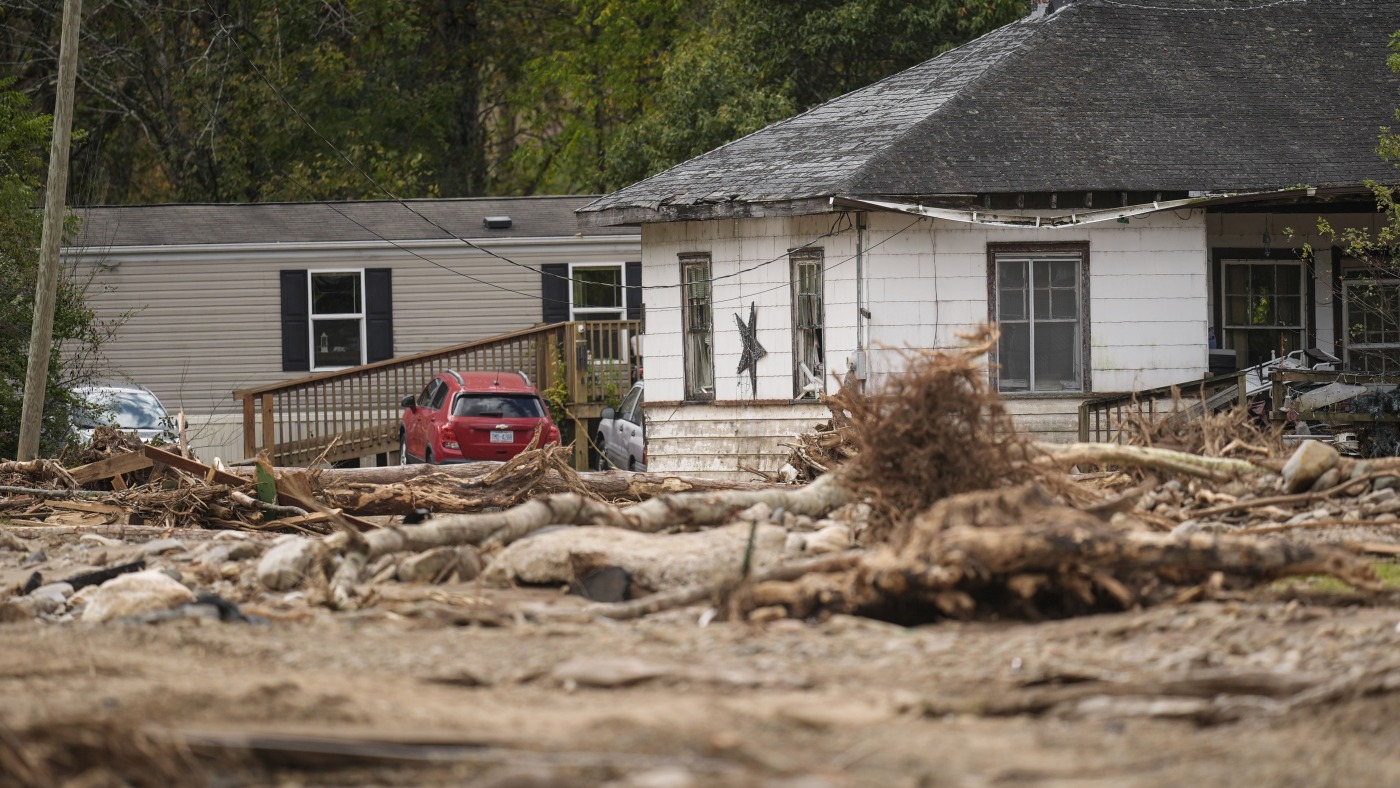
[(24, 136), (556, 394), (450, 98)]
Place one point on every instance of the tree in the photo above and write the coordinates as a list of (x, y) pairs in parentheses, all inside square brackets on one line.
[(24, 136)]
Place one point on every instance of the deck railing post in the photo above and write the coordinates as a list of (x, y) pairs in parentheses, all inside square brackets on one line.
[(250, 436)]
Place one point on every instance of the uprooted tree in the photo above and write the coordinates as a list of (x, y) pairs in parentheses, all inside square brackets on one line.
[(968, 519)]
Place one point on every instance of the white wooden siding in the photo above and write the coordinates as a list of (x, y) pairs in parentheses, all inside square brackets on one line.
[(717, 441), (926, 282), (206, 321)]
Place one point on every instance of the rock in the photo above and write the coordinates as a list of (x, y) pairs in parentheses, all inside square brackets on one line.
[(1360, 469), (608, 671), (655, 561), (58, 591), (1385, 483), (1309, 461), (1326, 481), (429, 565), (832, 539), (36, 557), (158, 546), (285, 565), (469, 563), (1379, 496), (663, 777), (13, 613), (40, 605), (1186, 528), (134, 594), (244, 550)]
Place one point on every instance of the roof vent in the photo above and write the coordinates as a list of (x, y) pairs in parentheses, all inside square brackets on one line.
[(497, 222), (1042, 8)]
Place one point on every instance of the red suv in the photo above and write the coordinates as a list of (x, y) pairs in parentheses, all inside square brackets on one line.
[(469, 416)]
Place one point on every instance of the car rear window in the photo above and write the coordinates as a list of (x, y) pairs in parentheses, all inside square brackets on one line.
[(129, 410), (498, 406)]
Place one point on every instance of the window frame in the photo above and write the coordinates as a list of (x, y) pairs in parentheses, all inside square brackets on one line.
[(312, 317), (1378, 349), (1304, 329), (693, 391), (1047, 250), (797, 259), (592, 313)]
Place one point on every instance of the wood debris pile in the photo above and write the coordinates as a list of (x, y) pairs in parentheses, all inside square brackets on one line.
[(938, 509)]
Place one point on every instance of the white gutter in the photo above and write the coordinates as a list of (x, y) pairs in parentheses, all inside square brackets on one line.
[(1072, 219)]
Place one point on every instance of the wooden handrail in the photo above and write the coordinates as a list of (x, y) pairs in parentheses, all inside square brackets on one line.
[(297, 420), (1096, 426)]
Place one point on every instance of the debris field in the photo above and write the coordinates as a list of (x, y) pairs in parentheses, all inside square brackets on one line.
[(924, 596)]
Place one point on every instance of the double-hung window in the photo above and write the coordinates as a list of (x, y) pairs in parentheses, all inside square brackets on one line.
[(597, 292), (1264, 311), (1372, 320), (808, 324), (1040, 306), (337, 319), (333, 319), (697, 312)]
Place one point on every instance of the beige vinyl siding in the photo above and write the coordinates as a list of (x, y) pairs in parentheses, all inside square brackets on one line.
[(202, 322)]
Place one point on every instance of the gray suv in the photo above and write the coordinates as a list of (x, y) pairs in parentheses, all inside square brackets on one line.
[(622, 434)]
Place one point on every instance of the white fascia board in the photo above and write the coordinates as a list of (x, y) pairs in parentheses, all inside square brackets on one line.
[(562, 244), (1055, 222)]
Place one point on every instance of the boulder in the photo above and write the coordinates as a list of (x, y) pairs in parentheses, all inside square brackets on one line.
[(1309, 461), (285, 565), (654, 561), (134, 594)]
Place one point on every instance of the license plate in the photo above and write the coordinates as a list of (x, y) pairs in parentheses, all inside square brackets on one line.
[(502, 436)]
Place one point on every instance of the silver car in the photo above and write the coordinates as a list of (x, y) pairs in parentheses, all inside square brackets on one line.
[(622, 434), (129, 408)]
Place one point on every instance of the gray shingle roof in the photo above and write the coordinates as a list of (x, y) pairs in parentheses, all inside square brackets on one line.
[(1133, 95), (263, 223)]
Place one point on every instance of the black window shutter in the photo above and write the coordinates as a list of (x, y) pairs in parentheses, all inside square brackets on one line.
[(296, 325), (554, 289), (379, 314), (633, 274)]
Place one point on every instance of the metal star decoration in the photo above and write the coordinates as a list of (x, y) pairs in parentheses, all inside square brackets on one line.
[(753, 351)]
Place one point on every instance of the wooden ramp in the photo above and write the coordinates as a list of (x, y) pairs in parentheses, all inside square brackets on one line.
[(352, 413)]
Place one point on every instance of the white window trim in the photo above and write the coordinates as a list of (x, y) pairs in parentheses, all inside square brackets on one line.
[(686, 260), (590, 313), (312, 317), (1361, 347)]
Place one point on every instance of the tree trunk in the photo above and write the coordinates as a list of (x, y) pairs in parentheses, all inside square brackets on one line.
[(456, 489)]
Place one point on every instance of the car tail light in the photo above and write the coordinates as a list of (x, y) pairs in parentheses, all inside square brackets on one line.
[(449, 438), (551, 435)]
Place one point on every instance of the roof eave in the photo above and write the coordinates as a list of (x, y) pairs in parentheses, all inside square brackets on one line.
[(699, 212)]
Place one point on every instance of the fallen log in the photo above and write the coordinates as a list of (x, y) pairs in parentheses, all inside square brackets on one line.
[(458, 489), (1217, 468)]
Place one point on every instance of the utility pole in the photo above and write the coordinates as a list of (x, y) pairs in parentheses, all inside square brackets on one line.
[(36, 379)]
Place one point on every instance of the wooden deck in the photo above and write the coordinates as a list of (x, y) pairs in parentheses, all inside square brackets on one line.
[(355, 412)]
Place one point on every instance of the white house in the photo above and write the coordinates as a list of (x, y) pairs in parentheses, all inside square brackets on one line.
[(1111, 182), (214, 298)]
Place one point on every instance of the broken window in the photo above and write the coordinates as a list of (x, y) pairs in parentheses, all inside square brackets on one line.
[(808, 324), (1371, 314), (1264, 309), (1039, 306), (697, 318)]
